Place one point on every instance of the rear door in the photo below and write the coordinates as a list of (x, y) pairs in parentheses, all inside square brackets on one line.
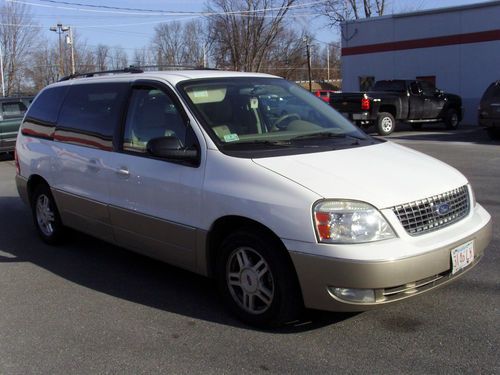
[(84, 137), (155, 203)]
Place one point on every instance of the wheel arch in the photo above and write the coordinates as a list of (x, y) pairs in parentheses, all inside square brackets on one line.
[(34, 181), (229, 224), (388, 108)]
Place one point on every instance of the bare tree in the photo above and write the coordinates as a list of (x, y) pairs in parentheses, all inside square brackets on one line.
[(102, 54), (18, 35), (118, 58), (142, 57), (44, 67), (243, 31), (287, 56), (176, 43), (343, 10)]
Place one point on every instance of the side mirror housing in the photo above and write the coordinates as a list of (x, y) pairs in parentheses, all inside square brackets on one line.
[(171, 148)]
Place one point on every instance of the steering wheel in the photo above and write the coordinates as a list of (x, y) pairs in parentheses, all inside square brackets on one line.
[(287, 116)]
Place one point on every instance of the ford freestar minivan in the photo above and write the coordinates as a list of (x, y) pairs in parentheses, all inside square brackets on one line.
[(251, 180)]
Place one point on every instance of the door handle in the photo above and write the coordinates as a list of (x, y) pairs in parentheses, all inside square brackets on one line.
[(123, 171), (93, 166)]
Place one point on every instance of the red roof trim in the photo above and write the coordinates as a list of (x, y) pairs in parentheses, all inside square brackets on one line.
[(483, 36)]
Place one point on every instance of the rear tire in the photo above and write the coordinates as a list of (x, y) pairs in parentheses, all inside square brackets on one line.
[(46, 216), (257, 280), (385, 123), (451, 119)]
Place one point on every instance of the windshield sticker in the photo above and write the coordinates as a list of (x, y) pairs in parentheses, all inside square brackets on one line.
[(201, 94), (231, 137), (254, 103)]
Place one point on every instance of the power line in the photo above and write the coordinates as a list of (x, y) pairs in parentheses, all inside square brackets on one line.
[(119, 10)]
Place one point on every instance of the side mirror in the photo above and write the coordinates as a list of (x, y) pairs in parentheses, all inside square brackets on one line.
[(171, 148)]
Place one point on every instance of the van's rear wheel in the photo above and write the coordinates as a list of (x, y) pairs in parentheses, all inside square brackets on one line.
[(257, 280), (46, 216), (385, 123)]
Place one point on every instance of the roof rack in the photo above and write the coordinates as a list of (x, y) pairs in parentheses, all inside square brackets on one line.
[(173, 67), (131, 69)]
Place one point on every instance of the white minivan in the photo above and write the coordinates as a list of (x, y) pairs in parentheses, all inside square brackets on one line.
[(251, 180)]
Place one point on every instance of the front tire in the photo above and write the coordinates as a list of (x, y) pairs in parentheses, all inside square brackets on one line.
[(257, 280), (451, 119), (385, 123), (46, 216)]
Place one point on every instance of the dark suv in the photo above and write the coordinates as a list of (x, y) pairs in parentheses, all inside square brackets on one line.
[(12, 111), (489, 110)]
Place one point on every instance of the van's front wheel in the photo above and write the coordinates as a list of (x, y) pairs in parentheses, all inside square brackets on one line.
[(256, 280)]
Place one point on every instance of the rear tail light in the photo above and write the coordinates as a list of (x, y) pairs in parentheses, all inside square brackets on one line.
[(365, 104)]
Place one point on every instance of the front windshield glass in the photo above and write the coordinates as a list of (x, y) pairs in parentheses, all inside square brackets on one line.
[(270, 112)]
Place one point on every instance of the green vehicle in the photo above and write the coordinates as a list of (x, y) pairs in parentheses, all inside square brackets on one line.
[(12, 111)]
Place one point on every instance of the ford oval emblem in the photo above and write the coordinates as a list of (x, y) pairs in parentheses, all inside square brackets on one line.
[(442, 209)]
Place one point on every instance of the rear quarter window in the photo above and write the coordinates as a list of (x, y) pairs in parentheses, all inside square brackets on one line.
[(42, 115), (91, 114)]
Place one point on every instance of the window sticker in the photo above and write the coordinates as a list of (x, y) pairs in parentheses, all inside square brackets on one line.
[(231, 137), (201, 94), (254, 103)]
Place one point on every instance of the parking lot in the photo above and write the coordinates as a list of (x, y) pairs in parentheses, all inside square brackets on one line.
[(89, 307)]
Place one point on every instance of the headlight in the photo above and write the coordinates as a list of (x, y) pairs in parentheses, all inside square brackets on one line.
[(342, 221)]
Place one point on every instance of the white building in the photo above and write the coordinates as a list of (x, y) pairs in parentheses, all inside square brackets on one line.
[(458, 48)]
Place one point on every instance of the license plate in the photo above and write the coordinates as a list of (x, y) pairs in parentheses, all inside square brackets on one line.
[(462, 256)]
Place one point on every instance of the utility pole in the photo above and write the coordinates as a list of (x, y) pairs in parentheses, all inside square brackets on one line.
[(1, 70), (60, 29), (308, 53), (69, 41), (328, 62)]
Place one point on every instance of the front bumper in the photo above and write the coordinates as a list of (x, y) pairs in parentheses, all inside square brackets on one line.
[(391, 280)]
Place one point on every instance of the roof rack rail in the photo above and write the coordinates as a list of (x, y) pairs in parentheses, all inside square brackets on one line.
[(131, 69), (173, 67)]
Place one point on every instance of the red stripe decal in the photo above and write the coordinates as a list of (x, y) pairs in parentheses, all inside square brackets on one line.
[(484, 36)]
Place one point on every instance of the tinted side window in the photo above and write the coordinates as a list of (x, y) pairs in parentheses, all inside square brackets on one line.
[(91, 113), (427, 88), (42, 114), (13, 109), (151, 114)]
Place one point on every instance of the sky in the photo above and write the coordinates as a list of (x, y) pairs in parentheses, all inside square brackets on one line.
[(134, 28)]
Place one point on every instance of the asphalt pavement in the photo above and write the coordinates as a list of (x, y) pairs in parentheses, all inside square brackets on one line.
[(92, 308)]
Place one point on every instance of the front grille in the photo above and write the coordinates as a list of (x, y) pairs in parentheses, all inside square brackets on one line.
[(433, 213)]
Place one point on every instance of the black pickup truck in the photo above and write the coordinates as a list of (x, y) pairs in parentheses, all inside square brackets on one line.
[(411, 101)]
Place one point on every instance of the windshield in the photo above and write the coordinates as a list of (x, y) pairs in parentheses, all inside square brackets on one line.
[(241, 113)]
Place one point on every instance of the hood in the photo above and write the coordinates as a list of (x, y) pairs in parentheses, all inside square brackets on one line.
[(383, 175)]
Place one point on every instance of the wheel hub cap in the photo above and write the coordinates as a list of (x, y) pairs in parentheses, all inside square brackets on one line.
[(249, 280)]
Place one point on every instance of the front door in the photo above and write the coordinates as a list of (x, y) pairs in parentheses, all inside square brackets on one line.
[(155, 203), (433, 100)]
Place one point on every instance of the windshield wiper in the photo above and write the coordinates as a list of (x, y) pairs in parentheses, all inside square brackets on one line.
[(259, 142), (324, 135)]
